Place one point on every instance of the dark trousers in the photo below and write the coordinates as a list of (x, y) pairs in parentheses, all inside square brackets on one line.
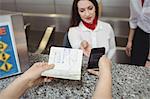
[(140, 47)]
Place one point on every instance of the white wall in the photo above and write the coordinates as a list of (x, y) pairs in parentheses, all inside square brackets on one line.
[(0, 4), (36, 6), (8, 5), (111, 8)]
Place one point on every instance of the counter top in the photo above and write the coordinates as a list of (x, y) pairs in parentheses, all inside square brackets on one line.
[(129, 82)]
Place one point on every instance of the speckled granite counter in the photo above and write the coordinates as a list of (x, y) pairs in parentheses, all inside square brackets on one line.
[(129, 82)]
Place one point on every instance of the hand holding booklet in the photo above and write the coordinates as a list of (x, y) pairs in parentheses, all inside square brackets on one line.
[(67, 62)]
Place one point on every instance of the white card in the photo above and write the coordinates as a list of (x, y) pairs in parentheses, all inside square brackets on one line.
[(67, 62)]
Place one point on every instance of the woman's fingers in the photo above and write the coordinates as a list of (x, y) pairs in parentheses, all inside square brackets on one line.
[(128, 51), (84, 44)]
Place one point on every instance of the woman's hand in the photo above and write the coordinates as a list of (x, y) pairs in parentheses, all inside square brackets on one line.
[(129, 48), (147, 64), (86, 47), (33, 74)]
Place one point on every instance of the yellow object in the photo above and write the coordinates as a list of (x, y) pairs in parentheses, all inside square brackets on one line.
[(4, 56), (6, 67), (3, 46)]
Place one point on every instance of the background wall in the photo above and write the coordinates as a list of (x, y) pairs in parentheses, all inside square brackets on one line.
[(43, 13), (111, 8)]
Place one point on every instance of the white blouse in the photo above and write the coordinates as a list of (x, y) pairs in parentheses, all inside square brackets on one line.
[(140, 16), (101, 36)]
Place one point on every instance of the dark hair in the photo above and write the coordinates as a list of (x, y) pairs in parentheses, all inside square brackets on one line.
[(75, 17)]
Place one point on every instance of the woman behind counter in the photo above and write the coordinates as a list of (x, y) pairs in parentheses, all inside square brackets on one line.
[(138, 45), (87, 31)]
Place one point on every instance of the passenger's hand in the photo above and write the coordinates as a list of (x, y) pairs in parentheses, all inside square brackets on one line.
[(94, 72), (104, 66), (33, 74), (129, 48), (86, 47)]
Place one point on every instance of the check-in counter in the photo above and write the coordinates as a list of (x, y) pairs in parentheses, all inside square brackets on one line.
[(128, 82)]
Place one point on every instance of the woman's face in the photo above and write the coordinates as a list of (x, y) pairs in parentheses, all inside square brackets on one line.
[(86, 11)]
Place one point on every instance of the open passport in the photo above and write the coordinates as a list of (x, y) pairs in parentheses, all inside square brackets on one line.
[(68, 63)]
